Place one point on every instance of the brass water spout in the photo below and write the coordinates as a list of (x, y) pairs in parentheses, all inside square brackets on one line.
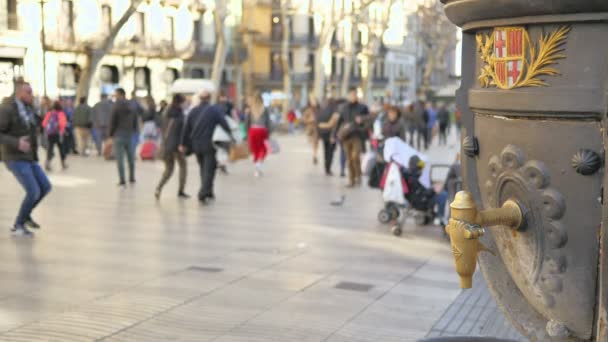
[(466, 227)]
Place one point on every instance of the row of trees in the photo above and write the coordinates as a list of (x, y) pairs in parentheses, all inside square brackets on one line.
[(431, 34)]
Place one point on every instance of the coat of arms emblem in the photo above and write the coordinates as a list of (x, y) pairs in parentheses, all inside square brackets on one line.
[(511, 61)]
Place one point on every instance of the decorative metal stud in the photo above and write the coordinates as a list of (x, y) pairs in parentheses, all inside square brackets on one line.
[(586, 162), (470, 146)]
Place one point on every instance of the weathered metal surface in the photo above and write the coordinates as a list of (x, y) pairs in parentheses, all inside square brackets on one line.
[(540, 143)]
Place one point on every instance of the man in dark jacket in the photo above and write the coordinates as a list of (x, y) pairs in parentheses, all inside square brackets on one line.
[(123, 126), (18, 131), (102, 112), (198, 139), (351, 130), (329, 144)]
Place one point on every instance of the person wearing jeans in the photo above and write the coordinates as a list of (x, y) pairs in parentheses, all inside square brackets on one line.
[(19, 150), (123, 126), (352, 119), (172, 134)]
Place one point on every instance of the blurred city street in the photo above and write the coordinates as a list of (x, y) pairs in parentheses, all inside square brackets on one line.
[(270, 260)]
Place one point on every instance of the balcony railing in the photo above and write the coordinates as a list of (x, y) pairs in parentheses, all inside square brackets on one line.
[(276, 39), (275, 78)]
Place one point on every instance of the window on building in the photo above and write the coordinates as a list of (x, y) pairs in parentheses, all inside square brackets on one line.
[(106, 19), (68, 76), (140, 25), (311, 65), (11, 11), (311, 28), (196, 33), (276, 27), (108, 74), (66, 25), (171, 30), (197, 73), (276, 66), (142, 81), (334, 65)]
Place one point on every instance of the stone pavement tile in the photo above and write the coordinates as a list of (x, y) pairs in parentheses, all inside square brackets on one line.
[(309, 263), (281, 246), (293, 281), (474, 313)]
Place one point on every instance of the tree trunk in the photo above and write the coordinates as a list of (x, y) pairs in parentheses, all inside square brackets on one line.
[(287, 102), (351, 55), (94, 55), (319, 80), (431, 61), (374, 45), (368, 80), (219, 59)]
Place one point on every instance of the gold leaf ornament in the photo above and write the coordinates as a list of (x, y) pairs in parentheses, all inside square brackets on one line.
[(511, 61)]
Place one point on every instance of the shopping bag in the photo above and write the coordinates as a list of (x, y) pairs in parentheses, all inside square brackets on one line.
[(367, 162), (108, 149), (394, 186), (238, 152), (272, 146), (220, 135), (148, 150)]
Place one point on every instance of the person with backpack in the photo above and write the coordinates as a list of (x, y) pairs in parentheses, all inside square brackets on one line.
[(54, 124)]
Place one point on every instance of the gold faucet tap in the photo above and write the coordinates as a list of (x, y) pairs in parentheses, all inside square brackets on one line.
[(466, 227)]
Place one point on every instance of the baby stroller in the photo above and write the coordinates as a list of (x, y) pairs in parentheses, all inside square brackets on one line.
[(407, 188)]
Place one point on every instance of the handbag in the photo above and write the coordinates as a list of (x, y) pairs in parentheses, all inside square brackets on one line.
[(345, 131), (272, 146), (238, 152)]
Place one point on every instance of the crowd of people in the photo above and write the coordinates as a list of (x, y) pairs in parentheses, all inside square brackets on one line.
[(350, 125), (188, 125), (114, 127)]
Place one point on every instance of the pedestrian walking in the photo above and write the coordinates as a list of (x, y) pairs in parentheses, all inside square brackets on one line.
[(291, 121), (150, 121), (102, 112), (197, 138), (443, 116), (83, 122), (351, 132), (410, 122), (422, 119), (18, 133), (310, 118), (54, 125), (327, 120), (431, 123), (69, 140), (123, 126), (224, 146), (258, 131), (394, 125), (173, 125), (137, 108)]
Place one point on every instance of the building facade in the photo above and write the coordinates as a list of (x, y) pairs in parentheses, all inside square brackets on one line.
[(146, 57), (264, 69)]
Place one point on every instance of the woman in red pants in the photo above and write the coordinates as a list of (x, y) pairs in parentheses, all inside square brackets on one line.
[(258, 128)]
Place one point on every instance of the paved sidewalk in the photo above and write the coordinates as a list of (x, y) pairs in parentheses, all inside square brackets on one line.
[(474, 313), (271, 260)]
